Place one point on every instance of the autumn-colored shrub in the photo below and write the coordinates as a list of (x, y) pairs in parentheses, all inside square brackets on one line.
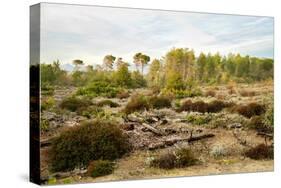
[(260, 151), (74, 103), (93, 140), (107, 103), (249, 110), (100, 168), (201, 106), (159, 102), (182, 157), (136, 103)]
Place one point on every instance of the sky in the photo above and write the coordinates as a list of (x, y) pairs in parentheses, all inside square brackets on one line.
[(89, 33)]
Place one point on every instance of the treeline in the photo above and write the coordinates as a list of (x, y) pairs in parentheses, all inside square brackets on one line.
[(179, 69)]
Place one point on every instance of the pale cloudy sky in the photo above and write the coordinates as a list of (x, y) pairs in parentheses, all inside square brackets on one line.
[(89, 33)]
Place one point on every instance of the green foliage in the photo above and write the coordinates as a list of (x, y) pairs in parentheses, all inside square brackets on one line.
[(47, 89), (138, 80), (260, 151), (94, 140), (47, 103), (249, 110), (159, 102), (44, 125), (180, 158), (99, 88), (199, 119), (137, 103), (74, 103), (122, 76), (107, 103), (100, 168), (269, 116)]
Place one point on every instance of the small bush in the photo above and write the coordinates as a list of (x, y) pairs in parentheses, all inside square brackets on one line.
[(261, 151), (100, 168), (185, 158), (201, 106), (94, 140), (210, 93), (47, 103), (257, 123), (107, 103), (198, 119), (99, 88), (218, 151), (247, 93), (47, 89), (137, 103), (89, 111), (122, 95), (74, 103), (180, 158), (165, 160), (179, 93), (159, 102), (249, 110)]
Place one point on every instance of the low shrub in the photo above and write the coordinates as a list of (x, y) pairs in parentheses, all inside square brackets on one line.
[(179, 93), (136, 103), (247, 93), (159, 102), (100, 168), (201, 106), (107, 103), (257, 123), (47, 89), (198, 119), (74, 103), (93, 140), (260, 151), (218, 151), (210, 93), (249, 110), (99, 88), (165, 160), (47, 103), (123, 95), (89, 111), (180, 158), (185, 158)]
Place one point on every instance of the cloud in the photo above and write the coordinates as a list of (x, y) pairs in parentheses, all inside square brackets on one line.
[(72, 31)]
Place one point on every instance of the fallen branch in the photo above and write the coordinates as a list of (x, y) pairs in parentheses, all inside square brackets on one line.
[(45, 142), (171, 142), (153, 130), (265, 135)]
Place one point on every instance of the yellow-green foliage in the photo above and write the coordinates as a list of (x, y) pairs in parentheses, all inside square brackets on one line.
[(107, 103), (93, 140), (47, 103)]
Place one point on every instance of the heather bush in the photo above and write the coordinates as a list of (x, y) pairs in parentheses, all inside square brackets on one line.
[(249, 110), (201, 106), (136, 103), (100, 168), (107, 103), (93, 140), (74, 103), (159, 102), (260, 151)]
